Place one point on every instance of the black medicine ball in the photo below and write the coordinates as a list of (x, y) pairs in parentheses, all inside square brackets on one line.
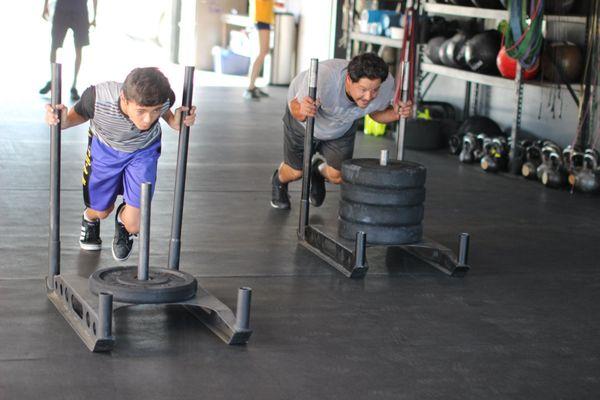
[(481, 51), (433, 49), (450, 51)]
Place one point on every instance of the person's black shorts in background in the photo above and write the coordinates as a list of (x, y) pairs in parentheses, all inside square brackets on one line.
[(335, 151), (263, 25), (80, 25)]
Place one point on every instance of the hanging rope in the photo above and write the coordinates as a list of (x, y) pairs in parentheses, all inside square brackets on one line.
[(522, 34)]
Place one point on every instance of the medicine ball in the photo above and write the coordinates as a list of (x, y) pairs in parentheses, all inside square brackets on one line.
[(433, 49), (508, 66), (481, 51), (479, 124), (435, 26), (558, 7), (449, 52), (565, 56), (496, 4)]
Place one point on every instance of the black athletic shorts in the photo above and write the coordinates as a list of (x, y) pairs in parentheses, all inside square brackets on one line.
[(335, 151), (262, 25), (80, 25)]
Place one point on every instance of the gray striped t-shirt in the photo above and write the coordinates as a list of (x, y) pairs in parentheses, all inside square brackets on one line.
[(100, 103)]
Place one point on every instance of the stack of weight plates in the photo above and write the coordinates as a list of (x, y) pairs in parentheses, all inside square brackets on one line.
[(385, 202)]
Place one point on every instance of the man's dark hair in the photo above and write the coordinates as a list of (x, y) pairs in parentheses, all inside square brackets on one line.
[(367, 65), (148, 87)]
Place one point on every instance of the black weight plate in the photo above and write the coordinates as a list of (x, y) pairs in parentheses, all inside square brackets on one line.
[(395, 175), (389, 235), (383, 197), (163, 285), (381, 215)]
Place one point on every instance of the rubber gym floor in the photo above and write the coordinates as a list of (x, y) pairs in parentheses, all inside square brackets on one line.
[(523, 324)]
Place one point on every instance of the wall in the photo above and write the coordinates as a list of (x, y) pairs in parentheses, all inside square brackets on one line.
[(201, 29), (316, 31)]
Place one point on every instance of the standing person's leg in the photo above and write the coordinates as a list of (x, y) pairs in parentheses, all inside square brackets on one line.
[(74, 94), (141, 168), (264, 34), (81, 37), (59, 31)]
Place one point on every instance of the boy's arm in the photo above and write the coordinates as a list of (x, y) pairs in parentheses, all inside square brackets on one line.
[(169, 118), (174, 120), (68, 118), (82, 111), (73, 119)]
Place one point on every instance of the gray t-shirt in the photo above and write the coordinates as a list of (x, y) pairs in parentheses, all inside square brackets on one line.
[(337, 112)]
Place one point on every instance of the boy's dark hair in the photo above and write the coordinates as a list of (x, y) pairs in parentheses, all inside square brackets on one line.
[(367, 65), (148, 87)]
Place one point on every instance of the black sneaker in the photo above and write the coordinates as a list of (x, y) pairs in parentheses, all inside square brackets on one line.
[(74, 94), (279, 194), (46, 88), (122, 245), (317, 184), (90, 235), (260, 93), (251, 95)]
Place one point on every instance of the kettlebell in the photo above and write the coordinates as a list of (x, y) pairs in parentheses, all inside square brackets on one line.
[(533, 161), (573, 160), (469, 144), (455, 144), (551, 172), (515, 162), (482, 141), (544, 159), (496, 155), (587, 179)]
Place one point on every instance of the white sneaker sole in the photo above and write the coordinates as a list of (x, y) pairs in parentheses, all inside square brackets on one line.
[(112, 250), (278, 207), (90, 247)]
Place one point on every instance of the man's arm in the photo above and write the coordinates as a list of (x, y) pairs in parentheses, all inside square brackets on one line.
[(302, 110), (392, 114)]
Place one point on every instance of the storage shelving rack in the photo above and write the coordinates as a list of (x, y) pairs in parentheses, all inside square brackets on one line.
[(473, 80)]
